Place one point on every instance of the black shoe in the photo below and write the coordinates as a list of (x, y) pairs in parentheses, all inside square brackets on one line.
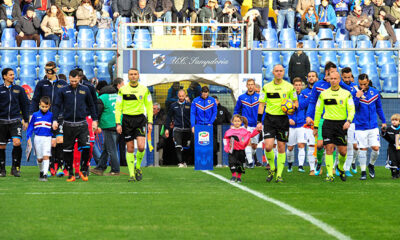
[(363, 175), (371, 170), (138, 174), (270, 175), (16, 172), (233, 179), (3, 173), (258, 164), (342, 175), (239, 180)]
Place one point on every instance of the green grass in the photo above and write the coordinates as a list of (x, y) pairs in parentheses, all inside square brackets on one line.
[(172, 203)]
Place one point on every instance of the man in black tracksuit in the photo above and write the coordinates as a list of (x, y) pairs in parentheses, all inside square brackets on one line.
[(179, 112), (299, 65), (76, 103), (50, 86), (13, 101)]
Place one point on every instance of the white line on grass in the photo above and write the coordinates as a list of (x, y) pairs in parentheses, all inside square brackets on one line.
[(325, 227)]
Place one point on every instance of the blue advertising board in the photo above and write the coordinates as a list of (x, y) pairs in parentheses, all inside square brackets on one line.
[(203, 147)]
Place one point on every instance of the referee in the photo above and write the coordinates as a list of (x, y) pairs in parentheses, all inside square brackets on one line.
[(339, 113), (276, 122), (13, 101), (131, 121)]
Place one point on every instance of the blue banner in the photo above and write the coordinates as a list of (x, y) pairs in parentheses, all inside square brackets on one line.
[(203, 147), (190, 62)]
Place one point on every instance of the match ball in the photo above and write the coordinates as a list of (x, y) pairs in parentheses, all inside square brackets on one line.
[(287, 106)]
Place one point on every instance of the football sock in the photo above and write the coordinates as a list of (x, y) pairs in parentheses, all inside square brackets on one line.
[(320, 155), (271, 159), (139, 158), (69, 158), (355, 155), (16, 156), (374, 156), (239, 175), (329, 164), (362, 158), (2, 159), (40, 165), (349, 158), (290, 156), (85, 159), (179, 154), (311, 158), (234, 174), (59, 155), (130, 160), (45, 166), (249, 154), (302, 156), (281, 163), (342, 160), (53, 157)]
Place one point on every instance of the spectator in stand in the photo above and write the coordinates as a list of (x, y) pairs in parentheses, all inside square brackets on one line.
[(368, 8), (179, 10), (122, 8), (159, 118), (358, 25), (382, 28), (98, 5), (24, 4), (378, 6), (262, 6), (41, 7), (235, 36), (69, 7), (213, 38), (53, 24), (326, 15), (142, 13), (193, 91), (229, 13), (303, 5), (341, 7), (10, 13), (259, 24), (194, 7), (86, 17), (389, 3), (162, 10), (309, 25), (209, 12), (28, 27), (395, 11), (299, 64), (104, 21), (172, 94), (285, 10)]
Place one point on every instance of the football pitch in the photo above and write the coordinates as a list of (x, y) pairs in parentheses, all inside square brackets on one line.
[(178, 203)]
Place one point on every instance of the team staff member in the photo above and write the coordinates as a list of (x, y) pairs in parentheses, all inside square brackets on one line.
[(132, 100), (276, 122), (203, 110), (13, 101), (179, 113), (368, 107), (339, 113), (247, 106), (49, 87), (75, 103)]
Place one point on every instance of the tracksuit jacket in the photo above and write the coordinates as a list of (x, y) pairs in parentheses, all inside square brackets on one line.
[(77, 103), (13, 101), (299, 116), (180, 114), (368, 109), (203, 111), (46, 88), (247, 106)]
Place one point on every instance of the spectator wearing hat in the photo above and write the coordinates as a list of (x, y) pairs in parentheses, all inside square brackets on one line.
[(203, 110), (211, 11), (28, 27), (10, 12)]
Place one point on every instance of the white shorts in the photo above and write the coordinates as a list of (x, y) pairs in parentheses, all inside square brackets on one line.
[(310, 138), (351, 134), (254, 140), (297, 135), (42, 146), (368, 138)]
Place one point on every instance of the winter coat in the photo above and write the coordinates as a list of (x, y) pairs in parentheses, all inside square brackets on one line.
[(331, 15), (16, 12), (299, 66), (85, 17), (166, 5), (206, 13), (302, 5), (368, 10), (395, 11), (123, 7), (183, 8), (28, 26), (242, 134), (145, 16), (260, 3), (50, 25), (306, 27), (68, 3), (389, 20), (358, 29)]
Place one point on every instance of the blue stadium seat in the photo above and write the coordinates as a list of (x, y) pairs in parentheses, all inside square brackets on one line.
[(312, 55), (287, 34), (385, 58), (390, 84), (388, 70), (271, 58), (128, 37), (325, 34), (342, 34), (85, 35), (47, 55), (345, 44), (9, 57), (341, 22), (267, 73), (65, 69), (142, 38), (104, 56), (87, 70), (270, 34), (256, 44), (71, 35), (309, 44), (347, 59), (102, 72), (363, 44), (372, 72), (27, 75), (327, 56), (8, 35), (287, 54), (120, 19), (66, 57), (108, 9), (104, 35), (28, 57), (269, 44), (397, 32), (84, 56), (383, 44)]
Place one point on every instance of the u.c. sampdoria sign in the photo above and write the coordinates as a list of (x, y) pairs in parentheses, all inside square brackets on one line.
[(190, 62)]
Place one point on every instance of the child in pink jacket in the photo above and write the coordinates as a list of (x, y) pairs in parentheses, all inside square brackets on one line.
[(236, 140)]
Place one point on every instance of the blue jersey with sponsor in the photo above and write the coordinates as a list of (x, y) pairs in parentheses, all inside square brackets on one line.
[(299, 117), (203, 111), (368, 108), (40, 124), (247, 106)]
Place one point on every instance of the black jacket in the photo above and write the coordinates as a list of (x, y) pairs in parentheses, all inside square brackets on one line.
[(28, 26), (299, 66), (223, 116), (16, 12), (390, 136), (184, 7), (146, 16), (76, 103), (307, 27), (123, 7), (180, 114), (191, 5), (46, 88), (13, 101), (93, 92)]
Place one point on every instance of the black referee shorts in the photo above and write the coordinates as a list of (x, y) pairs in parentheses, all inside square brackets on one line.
[(10, 130), (71, 133), (133, 126), (333, 133), (276, 126)]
